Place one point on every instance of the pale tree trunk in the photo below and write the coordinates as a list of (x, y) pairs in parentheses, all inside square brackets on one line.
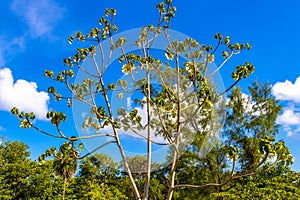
[(128, 171), (148, 171), (126, 167), (176, 152), (172, 175)]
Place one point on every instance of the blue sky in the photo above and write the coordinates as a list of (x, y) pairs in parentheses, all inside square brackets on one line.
[(34, 33)]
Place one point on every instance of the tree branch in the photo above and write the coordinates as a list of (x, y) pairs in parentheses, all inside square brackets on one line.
[(232, 177), (96, 149)]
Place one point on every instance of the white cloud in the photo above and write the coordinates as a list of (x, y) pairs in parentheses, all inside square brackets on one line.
[(289, 117), (22, 94), (287, 90), (40, 15), (290, 121)]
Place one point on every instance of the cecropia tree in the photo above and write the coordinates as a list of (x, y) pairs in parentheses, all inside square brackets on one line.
[(175, 88)]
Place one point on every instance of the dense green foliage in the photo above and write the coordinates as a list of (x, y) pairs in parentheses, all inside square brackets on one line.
[(23, 178)]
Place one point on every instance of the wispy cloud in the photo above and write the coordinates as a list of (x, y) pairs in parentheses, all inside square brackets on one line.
[(2, 129), (287, 90), (9, 47), (39, 15), (292, 131), (21, 94)]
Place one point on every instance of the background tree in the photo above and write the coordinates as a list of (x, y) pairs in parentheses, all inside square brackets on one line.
[(23, 178), (64, 163), (98, 175), (273, 184), (15, 169), (250, 130), (41, 182)]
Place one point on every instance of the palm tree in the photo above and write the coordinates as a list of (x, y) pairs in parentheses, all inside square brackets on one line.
[(65, 163)]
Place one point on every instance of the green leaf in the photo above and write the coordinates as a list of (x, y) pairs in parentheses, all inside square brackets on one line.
[(92, 49), (112, 86), (127, 68), (68, 61), (226, 40), (114, 28), (80, 146), (120, 95), (168, 2), (50, 114), (113, 11), (71, 38), (121, 111), (31, 115), (14, 111), (169, 55), (71, 73), (237, 46), (107, 12), (210, 58), (218, 36), (133, 114), (225, 54), (25, 123), (248, 46), (51, 90), (95, 32), (49, 73), (98, 86), (121, 58), (59, 77), (57, 97), (21, 115)]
